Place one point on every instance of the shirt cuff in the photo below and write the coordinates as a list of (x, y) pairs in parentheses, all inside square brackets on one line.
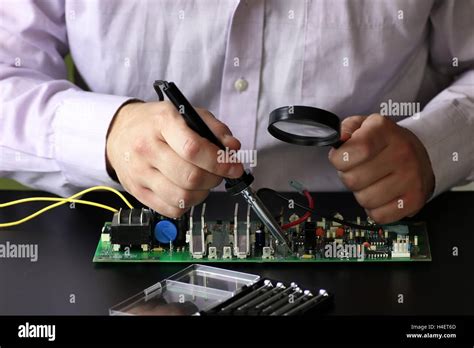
[(446, 132), (80, 129)]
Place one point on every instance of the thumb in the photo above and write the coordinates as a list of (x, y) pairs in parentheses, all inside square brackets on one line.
[(349, 125)]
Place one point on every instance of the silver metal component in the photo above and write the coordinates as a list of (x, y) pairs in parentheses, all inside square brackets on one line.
[(196, 235), (307, 304), (266, 284), (241, 237), (236, 243), (266, 253), (277, 297), (212, 253), (265, 216), (291, 305), (282, 301), (189, 232), (227, 253), (259, 299)]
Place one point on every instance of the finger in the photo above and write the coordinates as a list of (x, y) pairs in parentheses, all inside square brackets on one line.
[(349, 125), (194, 148), (408, 204), (179, 171), (168, 192), (366, 174), (365, 143), (150, 199), (381, 192), (220, 130)]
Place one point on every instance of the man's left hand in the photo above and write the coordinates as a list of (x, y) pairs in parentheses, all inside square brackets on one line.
[(385, 165)]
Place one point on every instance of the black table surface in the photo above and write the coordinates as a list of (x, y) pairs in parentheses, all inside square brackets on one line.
[(67, 239)]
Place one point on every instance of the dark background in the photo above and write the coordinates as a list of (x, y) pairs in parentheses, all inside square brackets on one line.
[(67, 239)]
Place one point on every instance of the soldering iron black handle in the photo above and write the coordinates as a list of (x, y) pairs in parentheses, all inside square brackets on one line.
[(195, 122), (190, 115)]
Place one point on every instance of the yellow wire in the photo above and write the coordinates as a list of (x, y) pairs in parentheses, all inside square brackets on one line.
[(57, 199), (62, 201), (104, 188)]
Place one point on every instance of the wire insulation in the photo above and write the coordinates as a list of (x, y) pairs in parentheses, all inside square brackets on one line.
[(57, 199), (61, 201), (305, 216), (327, 217)]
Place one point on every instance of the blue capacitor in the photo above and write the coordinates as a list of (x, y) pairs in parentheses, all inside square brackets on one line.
[(165, 231)]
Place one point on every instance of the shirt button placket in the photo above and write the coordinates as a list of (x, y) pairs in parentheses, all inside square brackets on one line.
[(241, 77)]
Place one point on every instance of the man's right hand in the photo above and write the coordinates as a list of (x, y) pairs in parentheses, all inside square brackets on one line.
[(161, 161)]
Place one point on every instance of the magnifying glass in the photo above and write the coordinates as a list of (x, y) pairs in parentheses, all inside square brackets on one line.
[(305, 125)]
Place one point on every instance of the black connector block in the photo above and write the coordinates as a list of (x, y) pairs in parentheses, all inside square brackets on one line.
[(132, 227)]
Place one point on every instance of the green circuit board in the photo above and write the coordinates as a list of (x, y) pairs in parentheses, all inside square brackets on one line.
[(400, 242)]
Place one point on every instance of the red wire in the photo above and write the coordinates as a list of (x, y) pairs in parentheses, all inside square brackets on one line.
[(305, 216)]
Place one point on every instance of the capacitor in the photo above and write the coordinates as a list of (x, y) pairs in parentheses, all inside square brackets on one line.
[(259, 241), (165, 231), (309, 236)]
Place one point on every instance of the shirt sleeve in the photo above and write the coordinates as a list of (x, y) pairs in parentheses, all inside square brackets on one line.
[(446, 124), (52, 134)]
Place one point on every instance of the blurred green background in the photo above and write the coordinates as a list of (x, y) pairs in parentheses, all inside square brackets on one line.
[(7, 184)]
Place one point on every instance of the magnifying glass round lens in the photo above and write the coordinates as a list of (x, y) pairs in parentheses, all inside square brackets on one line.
[(305, 125), (305, 129)]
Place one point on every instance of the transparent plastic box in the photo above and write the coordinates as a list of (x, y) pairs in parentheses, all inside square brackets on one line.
[(196, 288)]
